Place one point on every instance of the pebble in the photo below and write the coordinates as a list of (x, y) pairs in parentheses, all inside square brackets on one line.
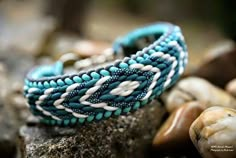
[(219, 66), (88, 48), (174, 133), (231, 87), (214, 133), (198, 89)]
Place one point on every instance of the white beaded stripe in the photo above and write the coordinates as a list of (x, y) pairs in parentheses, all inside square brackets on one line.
[(144, 68), (150, 68), (182, 55), (150, 88), (58, 102), (32, 90), (46, 112), (41, 99), (93, 90), (125, 88)]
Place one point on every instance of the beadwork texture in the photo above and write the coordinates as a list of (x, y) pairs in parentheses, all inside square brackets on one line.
[(156, 56)]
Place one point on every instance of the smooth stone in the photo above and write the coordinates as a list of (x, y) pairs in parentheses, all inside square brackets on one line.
[(198, 89), (214, 133), (219, 66), (231, 87), (72, 47), (124, 136), (174, 133)]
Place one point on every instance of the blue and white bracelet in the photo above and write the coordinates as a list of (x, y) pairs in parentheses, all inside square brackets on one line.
[(159, 58)]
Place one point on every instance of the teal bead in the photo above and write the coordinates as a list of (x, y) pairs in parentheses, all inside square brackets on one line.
[(73, 121), (53, 122), (151, 51), (117, 112), (60, 82), (46, 84), (40, 85), (162, 44), (45, 121), (113, 69), (126, 110), (157, 48), (26, 82), (132, 61), (136, 105), (66, 122), (53, 83), (77, 79), (86, 77), (105, 73), (99, 116), (30, 84), (95, 75), (59, 122), (81, 120), (145, 56), (152, 97), (123, 65), (68, 81), (107, 114), (90, 118), (139, 59), (35, 84), (144, 102)]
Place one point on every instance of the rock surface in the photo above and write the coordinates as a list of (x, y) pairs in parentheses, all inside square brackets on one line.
[(197, 89), (214, 133), (125, 136)]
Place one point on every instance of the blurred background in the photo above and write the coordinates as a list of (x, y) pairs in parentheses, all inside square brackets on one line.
[(30, 25)]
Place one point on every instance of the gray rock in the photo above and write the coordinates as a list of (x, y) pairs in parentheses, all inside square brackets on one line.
[(125, 136)]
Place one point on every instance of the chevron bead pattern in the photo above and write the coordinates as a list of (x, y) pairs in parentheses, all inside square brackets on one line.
[(156, 56)]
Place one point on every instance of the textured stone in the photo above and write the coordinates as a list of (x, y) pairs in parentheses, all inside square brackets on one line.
[(214, 133), (174, 132), (125, 136), (197, 89), (219, 68), (231, 87)]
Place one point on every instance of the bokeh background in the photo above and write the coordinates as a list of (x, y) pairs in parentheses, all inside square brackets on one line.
[(28, 24)]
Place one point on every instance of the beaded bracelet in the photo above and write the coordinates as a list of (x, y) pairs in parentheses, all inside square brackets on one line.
[(117, 88)]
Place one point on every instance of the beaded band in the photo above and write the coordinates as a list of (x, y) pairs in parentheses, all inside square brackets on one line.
[(118, 88)]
